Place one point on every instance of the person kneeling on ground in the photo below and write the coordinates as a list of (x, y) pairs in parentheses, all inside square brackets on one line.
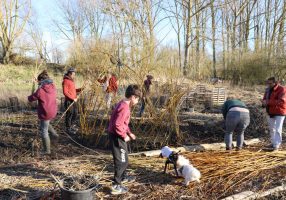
[(274, 101), (119, 135), (47, 108), (237, 119)]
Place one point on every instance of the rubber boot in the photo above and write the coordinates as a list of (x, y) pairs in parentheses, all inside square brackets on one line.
[(46, 145)]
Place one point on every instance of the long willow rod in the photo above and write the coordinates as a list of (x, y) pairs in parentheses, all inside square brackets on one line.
[(57, 123)]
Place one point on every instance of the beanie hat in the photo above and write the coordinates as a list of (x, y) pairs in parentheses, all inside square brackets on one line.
[(71, 70)]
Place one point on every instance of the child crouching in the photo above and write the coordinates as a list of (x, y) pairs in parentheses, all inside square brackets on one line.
[(120, 134)]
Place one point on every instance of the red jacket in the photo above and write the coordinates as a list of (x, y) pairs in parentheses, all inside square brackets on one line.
[(69, 89), (119, 120), (112, 84), (276, 100), (47, 104)]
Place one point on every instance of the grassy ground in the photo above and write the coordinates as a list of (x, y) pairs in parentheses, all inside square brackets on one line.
[(17, 81)]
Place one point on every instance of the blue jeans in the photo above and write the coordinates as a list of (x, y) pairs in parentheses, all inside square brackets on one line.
[(46, 130), (236, 122)]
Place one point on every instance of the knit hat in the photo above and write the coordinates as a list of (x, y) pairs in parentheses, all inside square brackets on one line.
[(71, 70), (166, 151)]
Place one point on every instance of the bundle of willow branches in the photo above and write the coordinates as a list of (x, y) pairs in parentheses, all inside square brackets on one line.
[(223, 174)]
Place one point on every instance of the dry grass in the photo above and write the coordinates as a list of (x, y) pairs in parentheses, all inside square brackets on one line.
[(17, 81), (223, 174)]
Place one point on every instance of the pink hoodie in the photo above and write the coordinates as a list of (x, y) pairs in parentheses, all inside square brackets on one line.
[(119, 120)]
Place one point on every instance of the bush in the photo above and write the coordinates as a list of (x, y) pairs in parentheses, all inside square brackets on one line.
[(252, 68), (18, 59)]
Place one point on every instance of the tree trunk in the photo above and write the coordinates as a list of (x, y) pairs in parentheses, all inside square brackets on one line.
[(281, 31), (223, 45), (213, 38), (6, 54), (197, 63), (187, 37)]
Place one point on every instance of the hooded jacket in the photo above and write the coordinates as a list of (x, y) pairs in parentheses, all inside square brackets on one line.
[(276, 100), (69, 90), (46, 96)]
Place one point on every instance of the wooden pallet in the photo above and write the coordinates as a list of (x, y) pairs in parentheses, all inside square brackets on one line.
[(218, 96), (201, 89)]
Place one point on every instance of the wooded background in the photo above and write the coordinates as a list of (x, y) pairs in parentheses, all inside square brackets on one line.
[(239, 40)]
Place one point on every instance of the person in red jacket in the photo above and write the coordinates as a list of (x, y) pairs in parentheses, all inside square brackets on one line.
[(110, 86), (70, 93), (119, 135), (274, 101), (47, 108)]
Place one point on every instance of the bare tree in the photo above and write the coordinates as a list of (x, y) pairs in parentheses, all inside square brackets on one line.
[(13, 18), (213, 38), (36, 34), (72, 22), (95, 18), (188, 23)]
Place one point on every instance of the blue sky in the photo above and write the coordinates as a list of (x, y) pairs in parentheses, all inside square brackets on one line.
[(46, 10)]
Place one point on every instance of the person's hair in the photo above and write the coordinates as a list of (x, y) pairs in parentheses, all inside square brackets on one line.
[(43, 76), (69, 73), (149, 76), (273, 79), (132, 90)]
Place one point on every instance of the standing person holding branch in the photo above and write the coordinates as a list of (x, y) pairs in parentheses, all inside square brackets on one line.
[(146, 93), (119, 135), (274, 101), (47, 108), (70, 93), (110, 87)]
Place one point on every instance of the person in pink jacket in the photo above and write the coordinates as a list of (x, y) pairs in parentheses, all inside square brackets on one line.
[(120, 134), (47, 108)]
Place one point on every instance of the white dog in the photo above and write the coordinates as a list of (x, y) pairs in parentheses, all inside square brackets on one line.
[(184, 167), (188, 171)]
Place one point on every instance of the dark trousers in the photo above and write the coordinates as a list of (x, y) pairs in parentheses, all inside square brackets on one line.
[(71, 114), (142, 109), (120, 157), (145, 100)]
